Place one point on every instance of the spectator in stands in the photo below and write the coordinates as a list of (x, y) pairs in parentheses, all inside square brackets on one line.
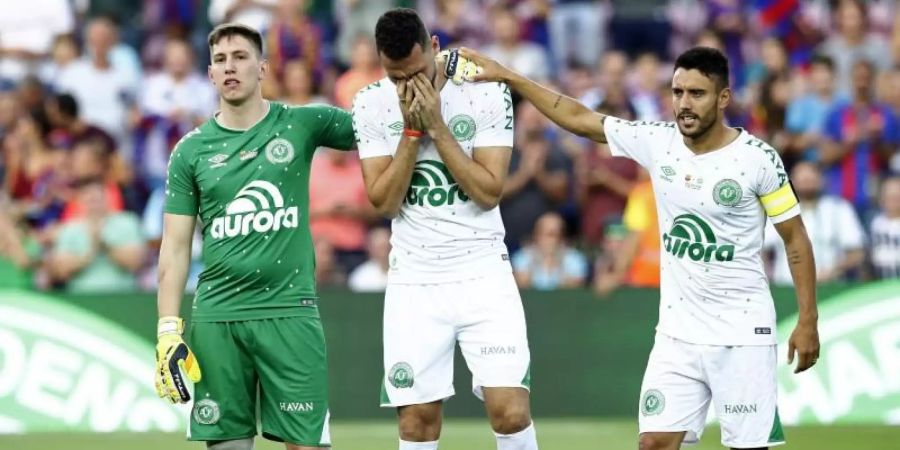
[(577, 32), (456, 25), (509, 49), (645, 93), (293, 35), (68, 127), (861, 137), (356, 19), (364, 70), (371, 276), (806, 115), (299, 87), (838, 239), (27, 31), (253, 13), (637, 262), (548, 262), (773, 62), (768, 113), (538, 183), (339, 208), (90, 161), (20, 254), (102, 250), (329, 273), (885, 232), (852, 43), (639, 26), (610, 251), (172, 103)]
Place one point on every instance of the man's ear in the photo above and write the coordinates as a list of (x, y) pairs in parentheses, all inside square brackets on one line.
[(263, 69), (725, 98)]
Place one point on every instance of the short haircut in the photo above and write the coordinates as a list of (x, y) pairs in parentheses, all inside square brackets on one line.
[(708, 61), (67, 105), (228, 30), (398, 31), (823, 60)]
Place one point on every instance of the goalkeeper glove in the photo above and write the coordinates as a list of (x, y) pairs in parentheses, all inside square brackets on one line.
[(456, 68), (174, 361)]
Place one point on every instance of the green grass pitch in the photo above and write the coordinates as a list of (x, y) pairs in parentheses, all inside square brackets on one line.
[(553, 434)]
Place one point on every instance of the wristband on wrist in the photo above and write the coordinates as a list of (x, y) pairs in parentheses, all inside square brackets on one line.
[(412, 133), (169, 325)]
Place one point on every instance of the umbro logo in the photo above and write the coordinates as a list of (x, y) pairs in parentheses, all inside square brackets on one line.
[(217, 161)]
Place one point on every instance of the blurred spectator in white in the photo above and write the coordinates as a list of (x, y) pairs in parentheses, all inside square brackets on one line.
[(152, 227), (838, 239), (577, 31), (364, 70), (27, 31), (852, 41), (171, 103), (104, 91), (299, 88), (294, 35), (339, 208), (885, 232), (254, 13), (356, 18), (548, 262), (806, 114), (20, 254), (65, 52), (509, 49), (371, 276), (646, 85), (101, 251)]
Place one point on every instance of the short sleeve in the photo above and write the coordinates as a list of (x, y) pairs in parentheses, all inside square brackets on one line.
[(335, 126), (494, 127), (521, 261), (371, 139), (852, 235), (575, 264), (182, 196), (123, 229), (636, 140), (772, 185)]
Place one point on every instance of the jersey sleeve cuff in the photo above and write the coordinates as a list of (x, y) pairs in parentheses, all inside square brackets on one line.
[(792, 212)]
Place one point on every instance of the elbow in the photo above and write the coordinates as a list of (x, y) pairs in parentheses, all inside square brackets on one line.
[(488, 202)]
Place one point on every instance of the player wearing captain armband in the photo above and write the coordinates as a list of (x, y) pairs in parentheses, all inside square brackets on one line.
[(715, 188), (255, 327)]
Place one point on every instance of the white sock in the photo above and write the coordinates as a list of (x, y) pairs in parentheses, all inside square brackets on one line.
[(523, 440), (406, 445)]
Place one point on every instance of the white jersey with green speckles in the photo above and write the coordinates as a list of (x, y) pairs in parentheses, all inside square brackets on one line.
[(440, 234), (714, 289)]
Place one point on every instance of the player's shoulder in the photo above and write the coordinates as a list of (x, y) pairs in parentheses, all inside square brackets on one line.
[(642, 127), (755, 148), (307, 111), (374, 94), (193, 140)]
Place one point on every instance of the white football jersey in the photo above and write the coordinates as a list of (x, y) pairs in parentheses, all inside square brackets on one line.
[(440, 234), (712, 212)]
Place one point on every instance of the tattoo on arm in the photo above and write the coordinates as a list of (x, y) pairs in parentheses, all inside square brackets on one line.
[(794, 258), (558, 98)]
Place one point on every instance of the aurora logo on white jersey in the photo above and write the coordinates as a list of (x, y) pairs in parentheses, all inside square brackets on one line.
[(433, 184), (692, 236), (257, 207)]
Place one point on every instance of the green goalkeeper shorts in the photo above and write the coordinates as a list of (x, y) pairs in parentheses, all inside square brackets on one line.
[(282, 360)]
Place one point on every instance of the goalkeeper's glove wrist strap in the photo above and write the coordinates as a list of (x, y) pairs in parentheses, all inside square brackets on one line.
[(169, 325)]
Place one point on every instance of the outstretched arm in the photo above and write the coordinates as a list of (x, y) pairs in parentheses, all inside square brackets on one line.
[(563, 110)]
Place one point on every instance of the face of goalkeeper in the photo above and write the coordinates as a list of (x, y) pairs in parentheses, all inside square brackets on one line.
[(419, 60)]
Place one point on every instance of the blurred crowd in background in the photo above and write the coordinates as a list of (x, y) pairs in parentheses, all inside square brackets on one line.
[(94, 94)]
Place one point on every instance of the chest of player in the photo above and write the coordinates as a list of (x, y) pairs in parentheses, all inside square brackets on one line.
[(460, 116)]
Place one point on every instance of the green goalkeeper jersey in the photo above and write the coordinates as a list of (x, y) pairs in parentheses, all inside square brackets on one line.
[(250, 189)]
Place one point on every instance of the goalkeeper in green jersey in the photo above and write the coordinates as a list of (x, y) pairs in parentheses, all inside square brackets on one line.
[(255, 324)]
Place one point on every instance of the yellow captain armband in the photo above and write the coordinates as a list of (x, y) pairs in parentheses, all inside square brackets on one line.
[(779, 201)]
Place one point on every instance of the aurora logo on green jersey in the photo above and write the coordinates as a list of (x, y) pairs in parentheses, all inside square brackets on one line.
[(257, 207), (433, 184), (691, 236)]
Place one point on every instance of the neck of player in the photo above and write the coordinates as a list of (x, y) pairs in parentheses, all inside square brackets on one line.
[(244, 115), (718, 136)]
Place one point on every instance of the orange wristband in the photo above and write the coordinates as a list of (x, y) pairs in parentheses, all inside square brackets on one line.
[(412, 133)]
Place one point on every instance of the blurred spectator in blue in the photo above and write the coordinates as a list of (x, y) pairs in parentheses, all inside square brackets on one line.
[(639, 26), (356, 18), (577, 31), (548, 262), (773, 61), (364, 69), (538, 182), (885, 232), (727, 20), (20, 254), (64, 53), (27, 31), (299, 87), (101, 251), (254, 13), (152, 228), (861, 137), (172, 102), (508, 47), (806, 114), (371, 276), (838, 239), (293, 35), (852, 42)]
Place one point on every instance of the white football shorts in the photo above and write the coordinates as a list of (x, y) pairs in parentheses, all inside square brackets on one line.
[(423, 323), (682, 378)]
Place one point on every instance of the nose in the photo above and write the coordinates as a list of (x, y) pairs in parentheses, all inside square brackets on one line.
[(229, 65)]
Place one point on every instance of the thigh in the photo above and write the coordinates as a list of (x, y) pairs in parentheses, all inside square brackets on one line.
[(492, 333), (744, 392), (674, 394), (418, 345), (293, 378), (225, 398)]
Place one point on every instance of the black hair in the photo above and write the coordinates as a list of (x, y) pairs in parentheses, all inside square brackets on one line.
[(824, 60), (398, 31), (67, 105), (708, 61), (227, 30)]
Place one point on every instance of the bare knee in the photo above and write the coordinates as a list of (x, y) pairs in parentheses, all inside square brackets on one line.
[(659, 441), (420, 423), (510, 419)]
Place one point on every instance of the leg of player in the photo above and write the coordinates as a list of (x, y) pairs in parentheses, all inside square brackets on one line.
[(510, 416), (236, 444), (661, 441), (420, 426)]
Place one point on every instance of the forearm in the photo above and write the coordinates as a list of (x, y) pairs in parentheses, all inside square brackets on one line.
[(563, 110), (803, 272), (474, 179), (66, 265), (388, 191), (174, 264)]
